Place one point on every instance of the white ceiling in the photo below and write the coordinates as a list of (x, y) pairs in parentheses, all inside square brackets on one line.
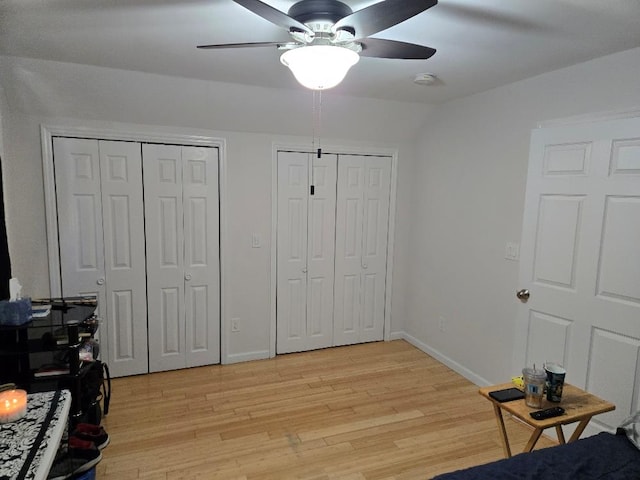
[(481, 44)]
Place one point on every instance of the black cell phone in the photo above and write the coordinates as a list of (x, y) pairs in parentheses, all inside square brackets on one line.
[(507, 395)]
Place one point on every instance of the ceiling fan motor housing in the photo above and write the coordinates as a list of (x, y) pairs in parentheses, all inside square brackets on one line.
[(332, 23), (310, 11)]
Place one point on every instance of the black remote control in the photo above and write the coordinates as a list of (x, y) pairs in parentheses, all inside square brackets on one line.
[(547, 413)]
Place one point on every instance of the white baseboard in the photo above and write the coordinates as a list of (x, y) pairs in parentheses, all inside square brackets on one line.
[(396, 336), (246, 357), (453, 365)]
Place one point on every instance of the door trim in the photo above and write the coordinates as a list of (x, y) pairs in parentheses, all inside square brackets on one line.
[(134, 133), (589, 118), (339, 150)]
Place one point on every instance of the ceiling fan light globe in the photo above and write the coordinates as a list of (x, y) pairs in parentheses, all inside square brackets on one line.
[(319, 67)]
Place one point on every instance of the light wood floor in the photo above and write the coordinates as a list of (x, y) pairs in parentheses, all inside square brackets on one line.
[(375, 411)]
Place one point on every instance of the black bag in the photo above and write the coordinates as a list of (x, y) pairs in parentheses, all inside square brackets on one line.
[(96, 387)]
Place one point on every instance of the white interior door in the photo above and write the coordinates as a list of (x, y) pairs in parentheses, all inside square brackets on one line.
[(305, 251), (101, 229), (78, 195), (362, 220), (201, 254), (181, 215), (124, 257), (165, 255), (580, 259)]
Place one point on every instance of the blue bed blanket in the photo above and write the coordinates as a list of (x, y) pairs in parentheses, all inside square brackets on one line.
[(604, 457)]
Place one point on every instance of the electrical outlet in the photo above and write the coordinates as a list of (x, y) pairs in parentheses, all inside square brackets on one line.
[(441, 322), (235, 324)]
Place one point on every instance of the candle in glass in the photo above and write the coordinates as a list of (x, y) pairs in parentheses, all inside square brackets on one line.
[(13, 405)]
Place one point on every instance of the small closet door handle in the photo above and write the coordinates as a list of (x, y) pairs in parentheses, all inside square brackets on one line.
[(523, 295), (100, 281), (365, 266), (187, 277)]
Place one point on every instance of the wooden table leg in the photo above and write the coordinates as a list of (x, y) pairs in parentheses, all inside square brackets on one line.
[(579, 429), (503, 432), (560, 434), (533, 440)]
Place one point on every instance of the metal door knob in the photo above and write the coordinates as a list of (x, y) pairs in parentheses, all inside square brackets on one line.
[(100, 281), (187, 277), (523, 295), (365, 266), (304, 270)]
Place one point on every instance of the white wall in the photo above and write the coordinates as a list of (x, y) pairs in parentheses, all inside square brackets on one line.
[(3, 108), (249, 119), (467, 201), (459, 200)]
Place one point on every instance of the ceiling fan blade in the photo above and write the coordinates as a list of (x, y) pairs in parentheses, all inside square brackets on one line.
[(379, 48), (241, 45), (274, 15), (489, 18), (382, 15)]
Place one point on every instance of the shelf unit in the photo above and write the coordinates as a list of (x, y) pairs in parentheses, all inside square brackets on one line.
[(28, 350)]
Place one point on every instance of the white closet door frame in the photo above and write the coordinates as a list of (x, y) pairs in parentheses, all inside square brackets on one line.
[(136, 133), (345, 150)]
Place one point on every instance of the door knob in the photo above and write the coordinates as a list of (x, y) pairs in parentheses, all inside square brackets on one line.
[(365, 266), (523, 295), (187, 277), (100, 281), (304, 270)]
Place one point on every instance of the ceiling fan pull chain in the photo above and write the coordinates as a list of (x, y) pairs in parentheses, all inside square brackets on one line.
[(313, 121), (313, 135), (319, 123)]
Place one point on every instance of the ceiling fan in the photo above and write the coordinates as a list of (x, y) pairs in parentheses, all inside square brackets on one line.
[(328, 37)]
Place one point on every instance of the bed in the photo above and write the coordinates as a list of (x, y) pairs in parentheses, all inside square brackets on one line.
[(605, 456)]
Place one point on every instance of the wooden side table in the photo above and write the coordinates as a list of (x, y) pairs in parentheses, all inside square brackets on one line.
[(579, 407)]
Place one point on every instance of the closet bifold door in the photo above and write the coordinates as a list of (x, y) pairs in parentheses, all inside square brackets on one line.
[(362, 223), (305, 251), (182, 239), (101, 230)]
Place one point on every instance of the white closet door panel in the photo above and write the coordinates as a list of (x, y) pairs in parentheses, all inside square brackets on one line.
[(169, 344), (377, 182), (123, 220), (305, 252), (361, 248), (201, 253), (165, 255), (348, 265), (79, 205), (124, 256), (321, 252), (293, 194), (77, 173), (347, 307)]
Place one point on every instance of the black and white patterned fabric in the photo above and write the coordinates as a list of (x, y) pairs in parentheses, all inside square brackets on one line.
[(25, 442)]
